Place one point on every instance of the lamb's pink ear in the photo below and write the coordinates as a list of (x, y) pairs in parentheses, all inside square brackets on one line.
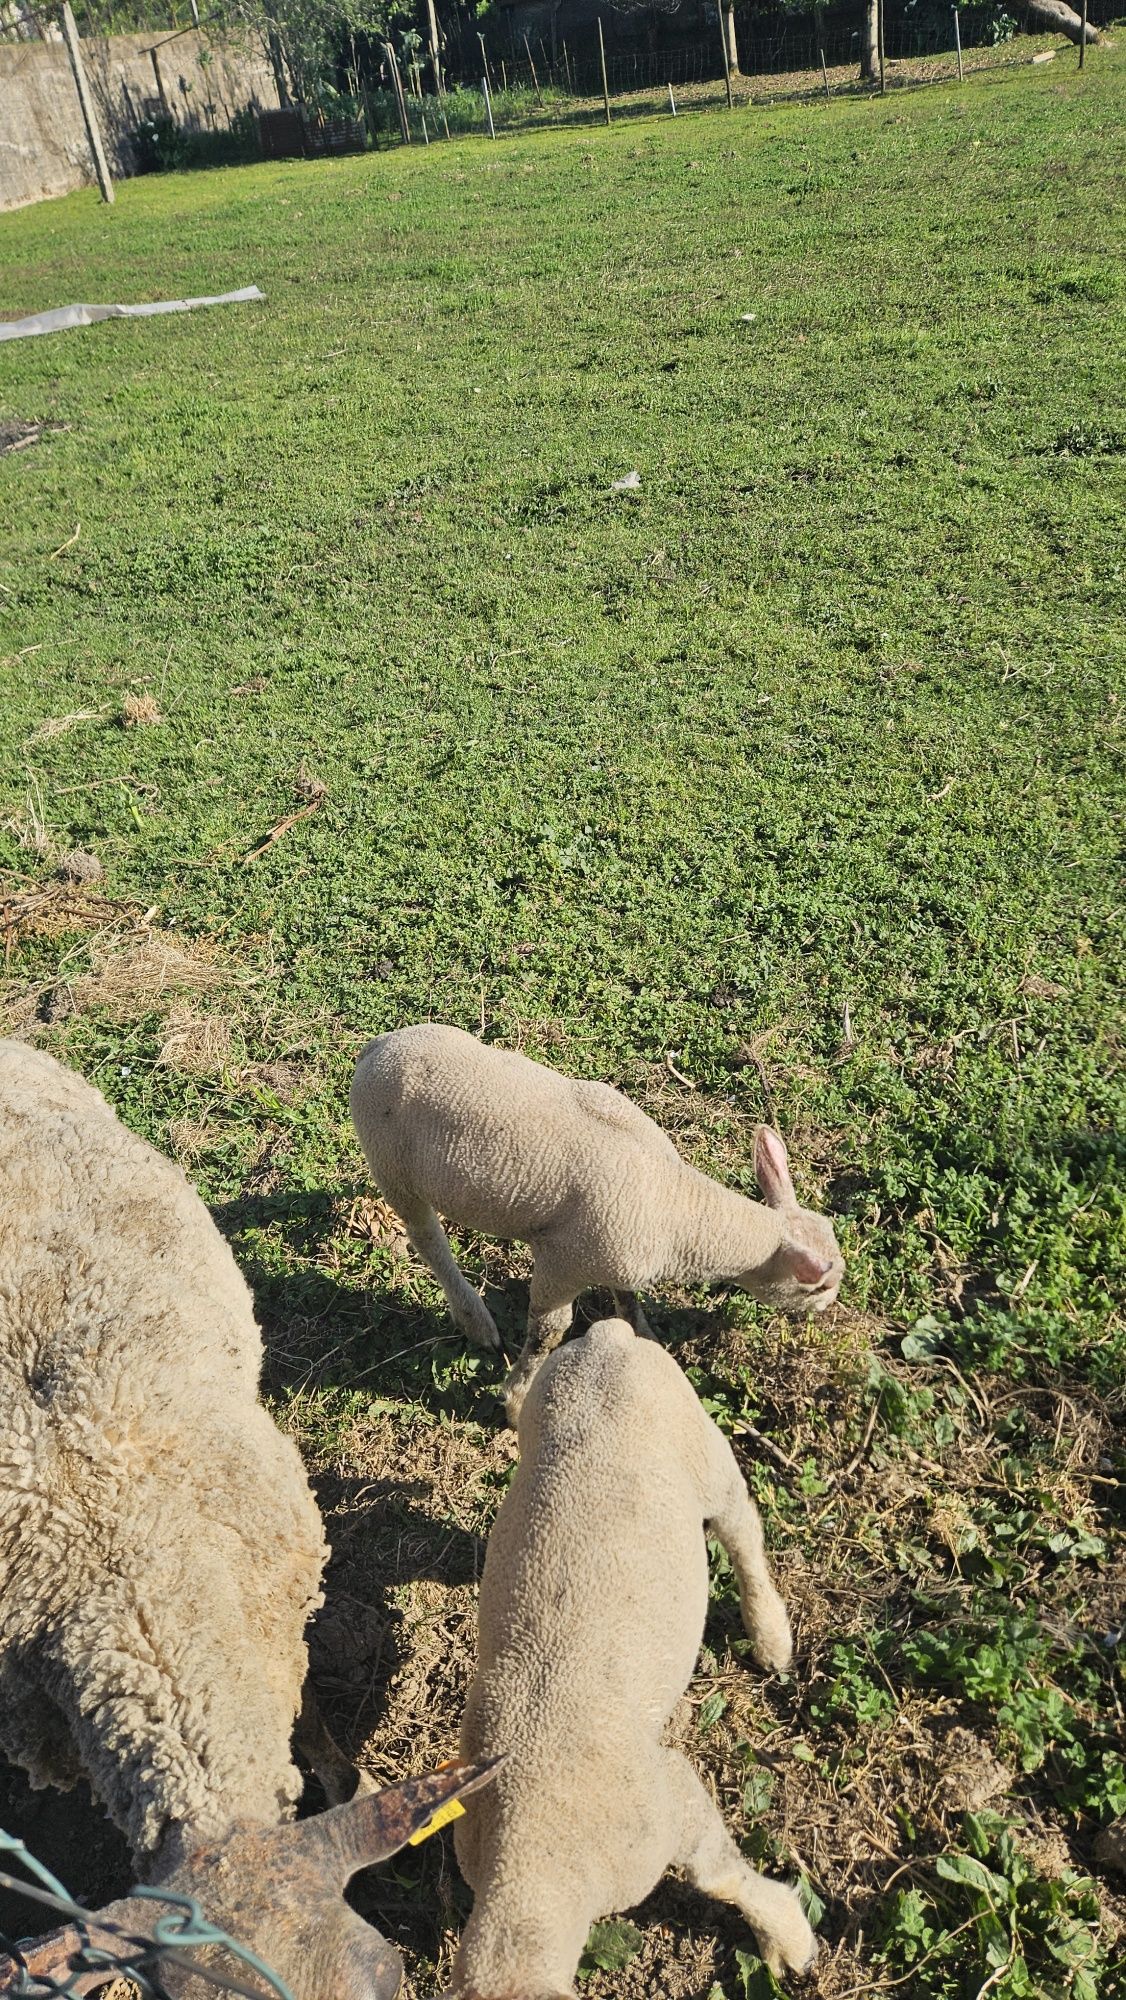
[(772, 1169), (805, 1265)]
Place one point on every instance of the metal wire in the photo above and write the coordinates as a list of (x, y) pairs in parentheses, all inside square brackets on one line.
[(184, 1928)]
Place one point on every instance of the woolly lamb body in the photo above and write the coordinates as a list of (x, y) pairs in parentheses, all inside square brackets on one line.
[(592, 1610), (501, 1144)]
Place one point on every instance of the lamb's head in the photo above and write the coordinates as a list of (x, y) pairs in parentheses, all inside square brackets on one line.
[(804, 1274), (280, 1891)]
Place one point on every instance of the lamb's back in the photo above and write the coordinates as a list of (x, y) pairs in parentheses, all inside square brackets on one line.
[(595, 1586), (492, 1139)]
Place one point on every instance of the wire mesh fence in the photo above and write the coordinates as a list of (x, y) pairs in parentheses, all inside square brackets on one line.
[(90, 1951)]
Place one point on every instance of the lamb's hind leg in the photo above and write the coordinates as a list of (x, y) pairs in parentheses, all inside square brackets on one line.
[(429, 1239), (713, 1864), (550, 1309), (734, 1519)]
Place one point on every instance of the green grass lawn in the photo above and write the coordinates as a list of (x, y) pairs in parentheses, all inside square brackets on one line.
[(796, 775)]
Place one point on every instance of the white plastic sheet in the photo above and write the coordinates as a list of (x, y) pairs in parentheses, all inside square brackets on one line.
[(64, 316)]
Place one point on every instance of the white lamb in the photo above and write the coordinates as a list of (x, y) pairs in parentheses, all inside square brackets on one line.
[(501, 1144), (591, 1615), (160, 1550)]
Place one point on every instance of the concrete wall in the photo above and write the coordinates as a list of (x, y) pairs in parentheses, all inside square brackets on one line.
[(43, 148)]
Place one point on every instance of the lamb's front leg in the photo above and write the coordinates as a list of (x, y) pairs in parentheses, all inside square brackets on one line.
[(551, 1307), (734, 1519)]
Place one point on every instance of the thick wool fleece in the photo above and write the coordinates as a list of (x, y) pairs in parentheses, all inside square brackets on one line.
[(160, 1549), (591, 1615)]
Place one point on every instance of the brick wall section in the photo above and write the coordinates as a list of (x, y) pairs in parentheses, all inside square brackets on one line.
[(43, 149)]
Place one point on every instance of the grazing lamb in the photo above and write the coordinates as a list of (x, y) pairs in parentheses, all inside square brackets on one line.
[(501, 1144), (160, 1550), (591, 1615)]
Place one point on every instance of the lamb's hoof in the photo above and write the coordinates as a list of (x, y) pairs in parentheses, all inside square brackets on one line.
[(784, 1965), (515, 1390), (785, 1941), (479, 1327), (768, 1629)]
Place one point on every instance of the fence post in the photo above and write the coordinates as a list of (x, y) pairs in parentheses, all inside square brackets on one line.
[(727, 26), (726, 57), (484, 57), (1083, 34), (880, 35), (400, 94), (824, 74), (535, 78), (86, 102), (958, 44), (488, 106), (605, 85), (672, 101), (435, 58), (567, 71)]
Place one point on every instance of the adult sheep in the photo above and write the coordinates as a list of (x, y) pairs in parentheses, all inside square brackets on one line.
[(160, 1549)]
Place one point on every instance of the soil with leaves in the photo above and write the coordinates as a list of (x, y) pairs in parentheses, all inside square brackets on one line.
[(341, 690)]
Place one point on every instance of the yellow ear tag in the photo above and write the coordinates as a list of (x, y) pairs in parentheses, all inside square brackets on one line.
[(453, 1809)]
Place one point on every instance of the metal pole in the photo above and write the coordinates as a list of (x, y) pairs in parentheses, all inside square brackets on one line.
[(672, 102), (824, 75), (89, 115), (488, 106), (484, 57), (958, 44), (602, 56), (880, 35), (1083, 34)]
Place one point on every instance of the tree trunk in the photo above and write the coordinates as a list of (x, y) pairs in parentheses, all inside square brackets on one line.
[(870, 42), (1057, 14)]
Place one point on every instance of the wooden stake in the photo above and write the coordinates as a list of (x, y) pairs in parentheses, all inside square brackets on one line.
[(727, 23), (880, 34), (958, 44), (726, 58), (425, 133), (602, 58), (567, 71), (488, 106), (89, 115), (400, 94), (535, 78), (503, 75), (435, 59), (824, 74), (672, 102), (1083, 34)]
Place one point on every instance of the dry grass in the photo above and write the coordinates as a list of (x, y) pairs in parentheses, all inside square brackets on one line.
[(195, 1043), (138, 711)]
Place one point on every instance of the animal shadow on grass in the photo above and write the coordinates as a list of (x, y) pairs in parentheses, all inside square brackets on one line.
[(324, 1330)]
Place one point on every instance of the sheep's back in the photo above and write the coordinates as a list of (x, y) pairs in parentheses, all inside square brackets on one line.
[(158, 1540)]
